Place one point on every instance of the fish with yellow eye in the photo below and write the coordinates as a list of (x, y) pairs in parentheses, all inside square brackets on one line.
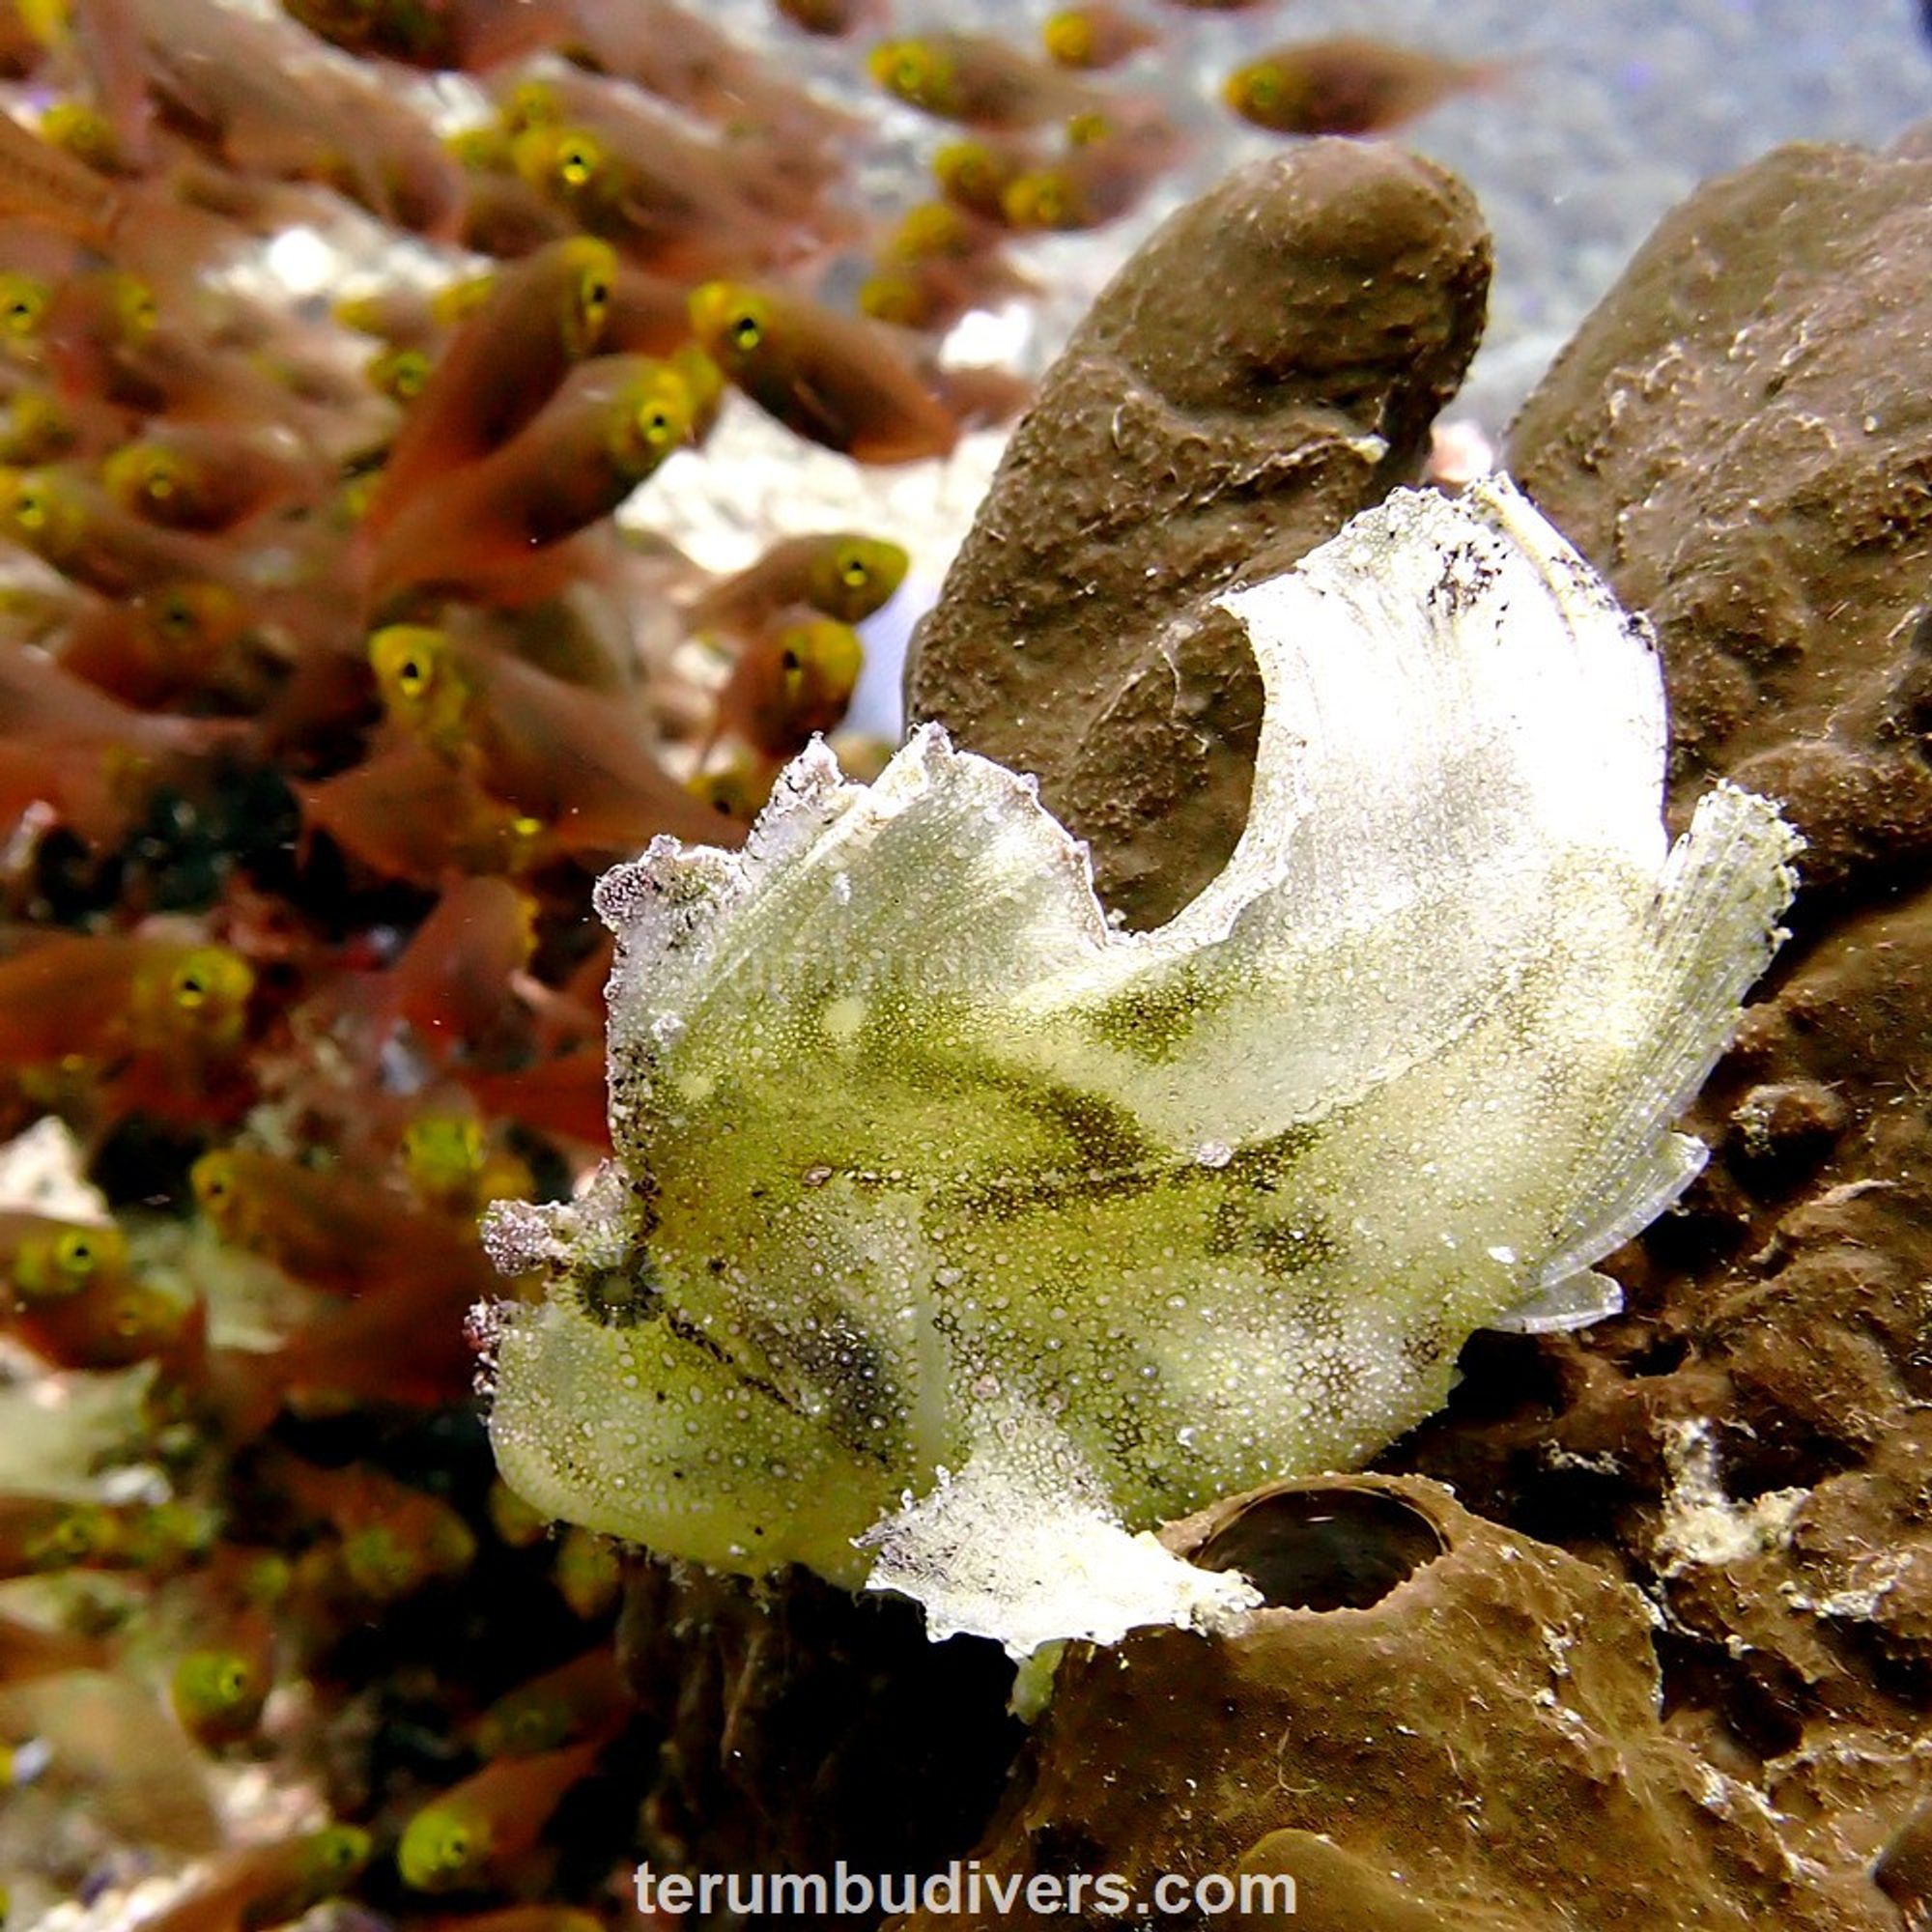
[(940, 262), (974, 172), (217, 1690), (400, 372), (1349, 85), (114, 1323), (1095, 37), (43, 184), (538, 320), (1105, 173), (89, 538), (47, 1259), (790, 683), (838, 380), (448, 1159), (336, 1229), (172, 641), (582, 1700), (664, 211), (268, 1885), (409, 813), (839, 573), (392, 1539), (85, 132), (976, 80), (478, 1832), (195, 477), (657, 155), (40, 427), (101, 999), (41, 1534), (575, 760), (24, 302), (486, 528)]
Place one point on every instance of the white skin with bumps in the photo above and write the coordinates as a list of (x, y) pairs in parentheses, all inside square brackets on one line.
[(946, 1217)]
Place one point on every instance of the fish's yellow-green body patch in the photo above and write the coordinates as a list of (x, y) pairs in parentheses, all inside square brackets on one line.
[(948, 1217)]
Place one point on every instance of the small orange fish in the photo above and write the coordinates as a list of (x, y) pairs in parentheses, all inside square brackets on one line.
[(667, 211), (217, 1690), (450, 1161), (569, 757), (405, 1345), (841, 574), (41, 1534), (976, 80), (567, 1094), (78, 527), (343, 1231), (585, 1699), (1348, 85), (840, 381), (395, 1540), (452, 985), (165, 644), (113, 1322), (194, 477), (478, 1831), (692, 175), (1094, 37), (41, 183), (103, 996), (975, 172), (268, 1885), (47, 1259), (408, 813), (792, 682), (613, 422), (1105, 175), (538, 319)]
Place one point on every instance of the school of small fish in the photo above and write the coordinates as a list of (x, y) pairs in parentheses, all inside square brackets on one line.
[(331, 679)]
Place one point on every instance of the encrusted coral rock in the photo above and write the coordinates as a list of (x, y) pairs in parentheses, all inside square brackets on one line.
[(1741, 439), (1266, 366), (1435, 1725)]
